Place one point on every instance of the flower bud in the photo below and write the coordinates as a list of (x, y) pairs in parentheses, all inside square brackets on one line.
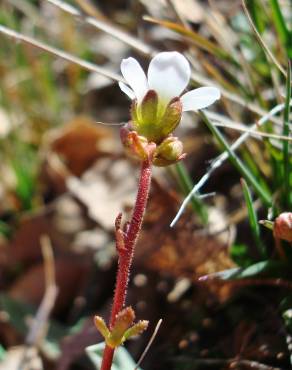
[(283, 226), (135, 145), (124, 320), (153, 120), (168, 152), (123, 328)]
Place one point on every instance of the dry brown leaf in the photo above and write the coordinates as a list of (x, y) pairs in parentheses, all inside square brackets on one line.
[(105, 189), (74, 346), (80, 143), (25, 245), (70, 278), (182, 250)]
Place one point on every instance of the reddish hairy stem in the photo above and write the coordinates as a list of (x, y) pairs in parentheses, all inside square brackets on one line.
[(126, 253)]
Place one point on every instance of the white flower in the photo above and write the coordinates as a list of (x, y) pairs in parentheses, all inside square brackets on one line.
[(168, 75)]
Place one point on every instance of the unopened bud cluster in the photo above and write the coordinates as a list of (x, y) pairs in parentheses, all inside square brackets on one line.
[(123, 329)]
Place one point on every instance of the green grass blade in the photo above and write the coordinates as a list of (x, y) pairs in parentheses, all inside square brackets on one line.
[(239, 165), (281, 27), (253, 220), (5, 229), (256, 14), (286, 144), (186, 185)]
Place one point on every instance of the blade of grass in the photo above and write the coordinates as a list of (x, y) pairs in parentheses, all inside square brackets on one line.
[(28, 9), (229, 81), (253, 220), (256, 14), (59, 53), (281, 27), (186, 184), (239, 165), (100, 70), (25, 183), (235, 98), (253, 133), (259, 168), (222, 158), (286, 132), (199, 40), (262, 193), (105, 27), (90, 9), (261, 41)]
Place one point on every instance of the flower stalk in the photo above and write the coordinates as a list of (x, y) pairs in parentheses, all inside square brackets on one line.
[(125, 243)]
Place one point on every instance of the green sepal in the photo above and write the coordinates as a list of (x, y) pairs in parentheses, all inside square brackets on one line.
[(171, 117), (101, 327), (144, 116), (136, 329), (148, 108), (153, 120)]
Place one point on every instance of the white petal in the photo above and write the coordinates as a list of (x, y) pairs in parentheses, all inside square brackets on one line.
[(125, 89), (135, 77), (168, 74), (200, 98)]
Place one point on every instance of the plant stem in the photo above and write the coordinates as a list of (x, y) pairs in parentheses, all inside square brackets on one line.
[(125, 247)]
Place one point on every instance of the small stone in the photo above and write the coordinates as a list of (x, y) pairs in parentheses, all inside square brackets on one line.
[(207, 323), (140, 280), (183, 344), (280, 355), (4, 316), (194, 337)]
